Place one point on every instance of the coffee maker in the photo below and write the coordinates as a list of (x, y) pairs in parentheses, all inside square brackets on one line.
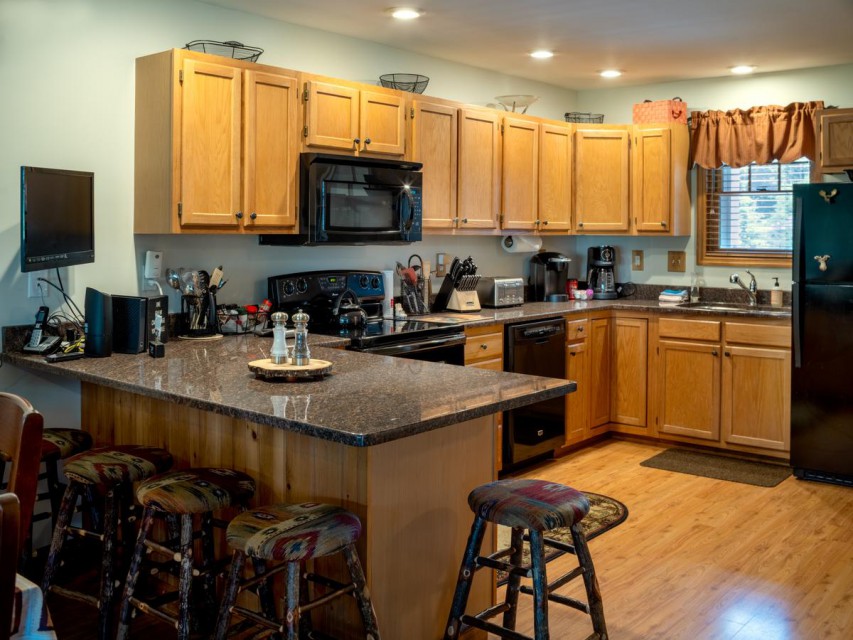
[(548, 273), (600, 276)]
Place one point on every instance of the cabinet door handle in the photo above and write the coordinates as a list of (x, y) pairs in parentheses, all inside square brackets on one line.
[(253, 215), (367, 141), (580, 329), (484, 346), (537, 222), (544, 222), (239, 215), (356, 141), (714, 352), (464, 220), (580, 224), (663, 223), (727, 354)]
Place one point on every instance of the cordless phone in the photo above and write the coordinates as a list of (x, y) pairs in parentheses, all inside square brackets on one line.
[(39, 343)]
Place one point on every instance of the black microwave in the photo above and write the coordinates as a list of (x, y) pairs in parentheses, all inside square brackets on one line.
[(352, 200)]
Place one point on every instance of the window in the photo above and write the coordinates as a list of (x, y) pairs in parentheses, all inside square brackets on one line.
[(745, 215)]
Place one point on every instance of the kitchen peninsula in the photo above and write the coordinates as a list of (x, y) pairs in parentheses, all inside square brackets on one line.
[(398, 442)]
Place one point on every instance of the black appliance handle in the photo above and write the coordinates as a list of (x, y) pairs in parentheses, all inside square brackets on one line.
[(797, 257), (797, 324), (407, 226), (420, 345)]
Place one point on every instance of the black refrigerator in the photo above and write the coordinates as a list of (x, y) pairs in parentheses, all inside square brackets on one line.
[(822, 333)]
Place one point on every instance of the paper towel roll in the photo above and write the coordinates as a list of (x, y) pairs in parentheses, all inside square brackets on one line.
[(388, 286), (521, 244)]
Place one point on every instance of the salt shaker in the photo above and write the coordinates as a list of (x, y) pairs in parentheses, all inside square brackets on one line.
[(278, 353), (301, 355)]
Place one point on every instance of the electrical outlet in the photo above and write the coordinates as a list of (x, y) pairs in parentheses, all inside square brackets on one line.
[(36, 289), (676, 261), (637, 260)]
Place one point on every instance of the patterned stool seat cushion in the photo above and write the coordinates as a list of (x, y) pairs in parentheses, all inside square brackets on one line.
[(196, 490), (531, 504), (293, 532), (62, 443), (118, 464)]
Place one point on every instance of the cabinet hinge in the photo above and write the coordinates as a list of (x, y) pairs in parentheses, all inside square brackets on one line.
[(657, 350), (181, 76), (305, 131), (412, 113), (305, 93), (180, 209), (656, 420), (502, 129)]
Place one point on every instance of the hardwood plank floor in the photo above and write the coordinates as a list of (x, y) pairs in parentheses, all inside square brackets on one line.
[(697, 559), (705, 559)]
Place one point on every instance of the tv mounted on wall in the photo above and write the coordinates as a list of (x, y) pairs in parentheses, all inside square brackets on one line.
[(57, 218)]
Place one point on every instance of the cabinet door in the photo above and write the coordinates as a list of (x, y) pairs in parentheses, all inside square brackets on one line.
[(382, 123), (271, 150), (435, 128), (689, 388), (601, 180), (836, 139), (331, 116), (210, 145), (577, 412), (756, 397), (520, 174), (628, 371), (479, 169), (555, 177), (599, 374), (652, 163)]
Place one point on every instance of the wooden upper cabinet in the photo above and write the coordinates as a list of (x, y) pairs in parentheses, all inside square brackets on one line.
[(651, 186), (271, 150), (342, 117), (210, 145), (479, 196), (520, 174), (216, 141), (835, 139), (602, 186), (555, 177), (434, 133)]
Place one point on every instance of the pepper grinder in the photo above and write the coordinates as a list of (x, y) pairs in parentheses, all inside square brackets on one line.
[(278, 353), (301, 355)]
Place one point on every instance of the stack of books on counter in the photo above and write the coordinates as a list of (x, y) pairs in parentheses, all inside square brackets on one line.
[(673, 296)]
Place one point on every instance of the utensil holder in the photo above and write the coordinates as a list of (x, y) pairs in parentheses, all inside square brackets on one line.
[(412, 297), (198, 315)]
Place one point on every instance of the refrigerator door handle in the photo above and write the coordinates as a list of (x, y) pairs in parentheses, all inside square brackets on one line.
[(797, 324)]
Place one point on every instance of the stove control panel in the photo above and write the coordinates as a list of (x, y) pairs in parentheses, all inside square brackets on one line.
[(298, 288)]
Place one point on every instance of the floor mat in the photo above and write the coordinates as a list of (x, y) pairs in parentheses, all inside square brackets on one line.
[(697, 463)]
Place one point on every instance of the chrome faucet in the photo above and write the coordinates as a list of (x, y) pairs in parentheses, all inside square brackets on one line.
[(751, 290)]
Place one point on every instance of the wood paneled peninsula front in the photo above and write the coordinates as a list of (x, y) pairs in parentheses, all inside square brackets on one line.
[(399, 442)]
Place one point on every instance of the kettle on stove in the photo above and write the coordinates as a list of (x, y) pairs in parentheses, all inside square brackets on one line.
[(347, 309)]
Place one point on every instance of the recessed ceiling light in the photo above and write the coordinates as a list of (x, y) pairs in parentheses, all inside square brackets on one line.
[(610, 73), (541, 54), (742, 69), (404, 13)]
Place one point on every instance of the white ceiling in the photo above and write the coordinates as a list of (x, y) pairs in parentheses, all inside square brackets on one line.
[(651, 41)]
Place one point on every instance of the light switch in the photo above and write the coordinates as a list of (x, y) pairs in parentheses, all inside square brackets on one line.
[(637, 260), (676, 261)]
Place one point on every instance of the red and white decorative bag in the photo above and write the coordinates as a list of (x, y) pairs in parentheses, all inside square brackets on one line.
[(674, 110)]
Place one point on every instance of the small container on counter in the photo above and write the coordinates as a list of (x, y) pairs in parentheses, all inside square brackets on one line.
[(571, 287)]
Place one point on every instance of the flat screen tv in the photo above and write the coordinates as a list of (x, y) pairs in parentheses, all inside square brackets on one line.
[(57, 218)]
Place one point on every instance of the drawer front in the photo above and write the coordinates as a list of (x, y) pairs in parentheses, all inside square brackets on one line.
[(487, 346), (689, 329), (576, 330), (758, 334)]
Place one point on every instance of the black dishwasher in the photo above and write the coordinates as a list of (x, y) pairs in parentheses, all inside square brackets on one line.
[(536, 348)]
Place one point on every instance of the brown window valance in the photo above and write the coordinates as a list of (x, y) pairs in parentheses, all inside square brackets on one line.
[(760, 134)]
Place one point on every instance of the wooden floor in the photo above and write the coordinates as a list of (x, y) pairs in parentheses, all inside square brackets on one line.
[(697, 559), (703, 559)]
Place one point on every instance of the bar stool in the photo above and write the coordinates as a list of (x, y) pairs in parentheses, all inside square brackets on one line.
[(56, 445), (534, 506), (182, 494), (293, 534), (111, 471)]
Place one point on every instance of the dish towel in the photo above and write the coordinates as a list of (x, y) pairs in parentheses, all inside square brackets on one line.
[(673, 296)]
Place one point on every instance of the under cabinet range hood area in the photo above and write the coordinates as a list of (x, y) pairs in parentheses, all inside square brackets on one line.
[(348, 200)]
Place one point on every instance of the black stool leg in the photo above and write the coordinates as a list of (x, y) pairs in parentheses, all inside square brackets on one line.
[(133, 575), (186, 577), (209, 581), (291, 601), (593, 594), (66, 510), (466, 575), (265, 594), (540, 586), (55, 489), (231, 588), (513, 584), (105, 602), (365, 606)]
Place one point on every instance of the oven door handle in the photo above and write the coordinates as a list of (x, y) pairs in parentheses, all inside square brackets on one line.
[(421, 345)]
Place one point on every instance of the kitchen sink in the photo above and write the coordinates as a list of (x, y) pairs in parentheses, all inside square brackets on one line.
[(741, 307)]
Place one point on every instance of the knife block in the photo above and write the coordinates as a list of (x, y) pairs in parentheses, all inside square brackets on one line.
[(463, 301)]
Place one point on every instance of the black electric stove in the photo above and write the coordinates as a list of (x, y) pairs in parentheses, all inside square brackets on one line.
[(318, 293)]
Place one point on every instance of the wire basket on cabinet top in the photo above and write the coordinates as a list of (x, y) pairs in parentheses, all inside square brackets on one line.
[(228, 49), (580, 116), (412, 82)]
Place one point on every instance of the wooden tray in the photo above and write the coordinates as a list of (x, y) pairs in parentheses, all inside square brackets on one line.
[(266, 369)]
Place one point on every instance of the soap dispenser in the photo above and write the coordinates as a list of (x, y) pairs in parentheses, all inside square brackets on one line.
[(776, 294)]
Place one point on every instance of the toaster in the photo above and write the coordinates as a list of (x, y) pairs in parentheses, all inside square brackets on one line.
[(498, 291)]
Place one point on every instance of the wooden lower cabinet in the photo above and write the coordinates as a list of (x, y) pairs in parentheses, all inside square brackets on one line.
[(484, 350), (628, 371), (599, 376), (689, 389), (577, 412)]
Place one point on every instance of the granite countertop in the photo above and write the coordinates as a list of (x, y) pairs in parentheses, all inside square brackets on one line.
[(367, 399)]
